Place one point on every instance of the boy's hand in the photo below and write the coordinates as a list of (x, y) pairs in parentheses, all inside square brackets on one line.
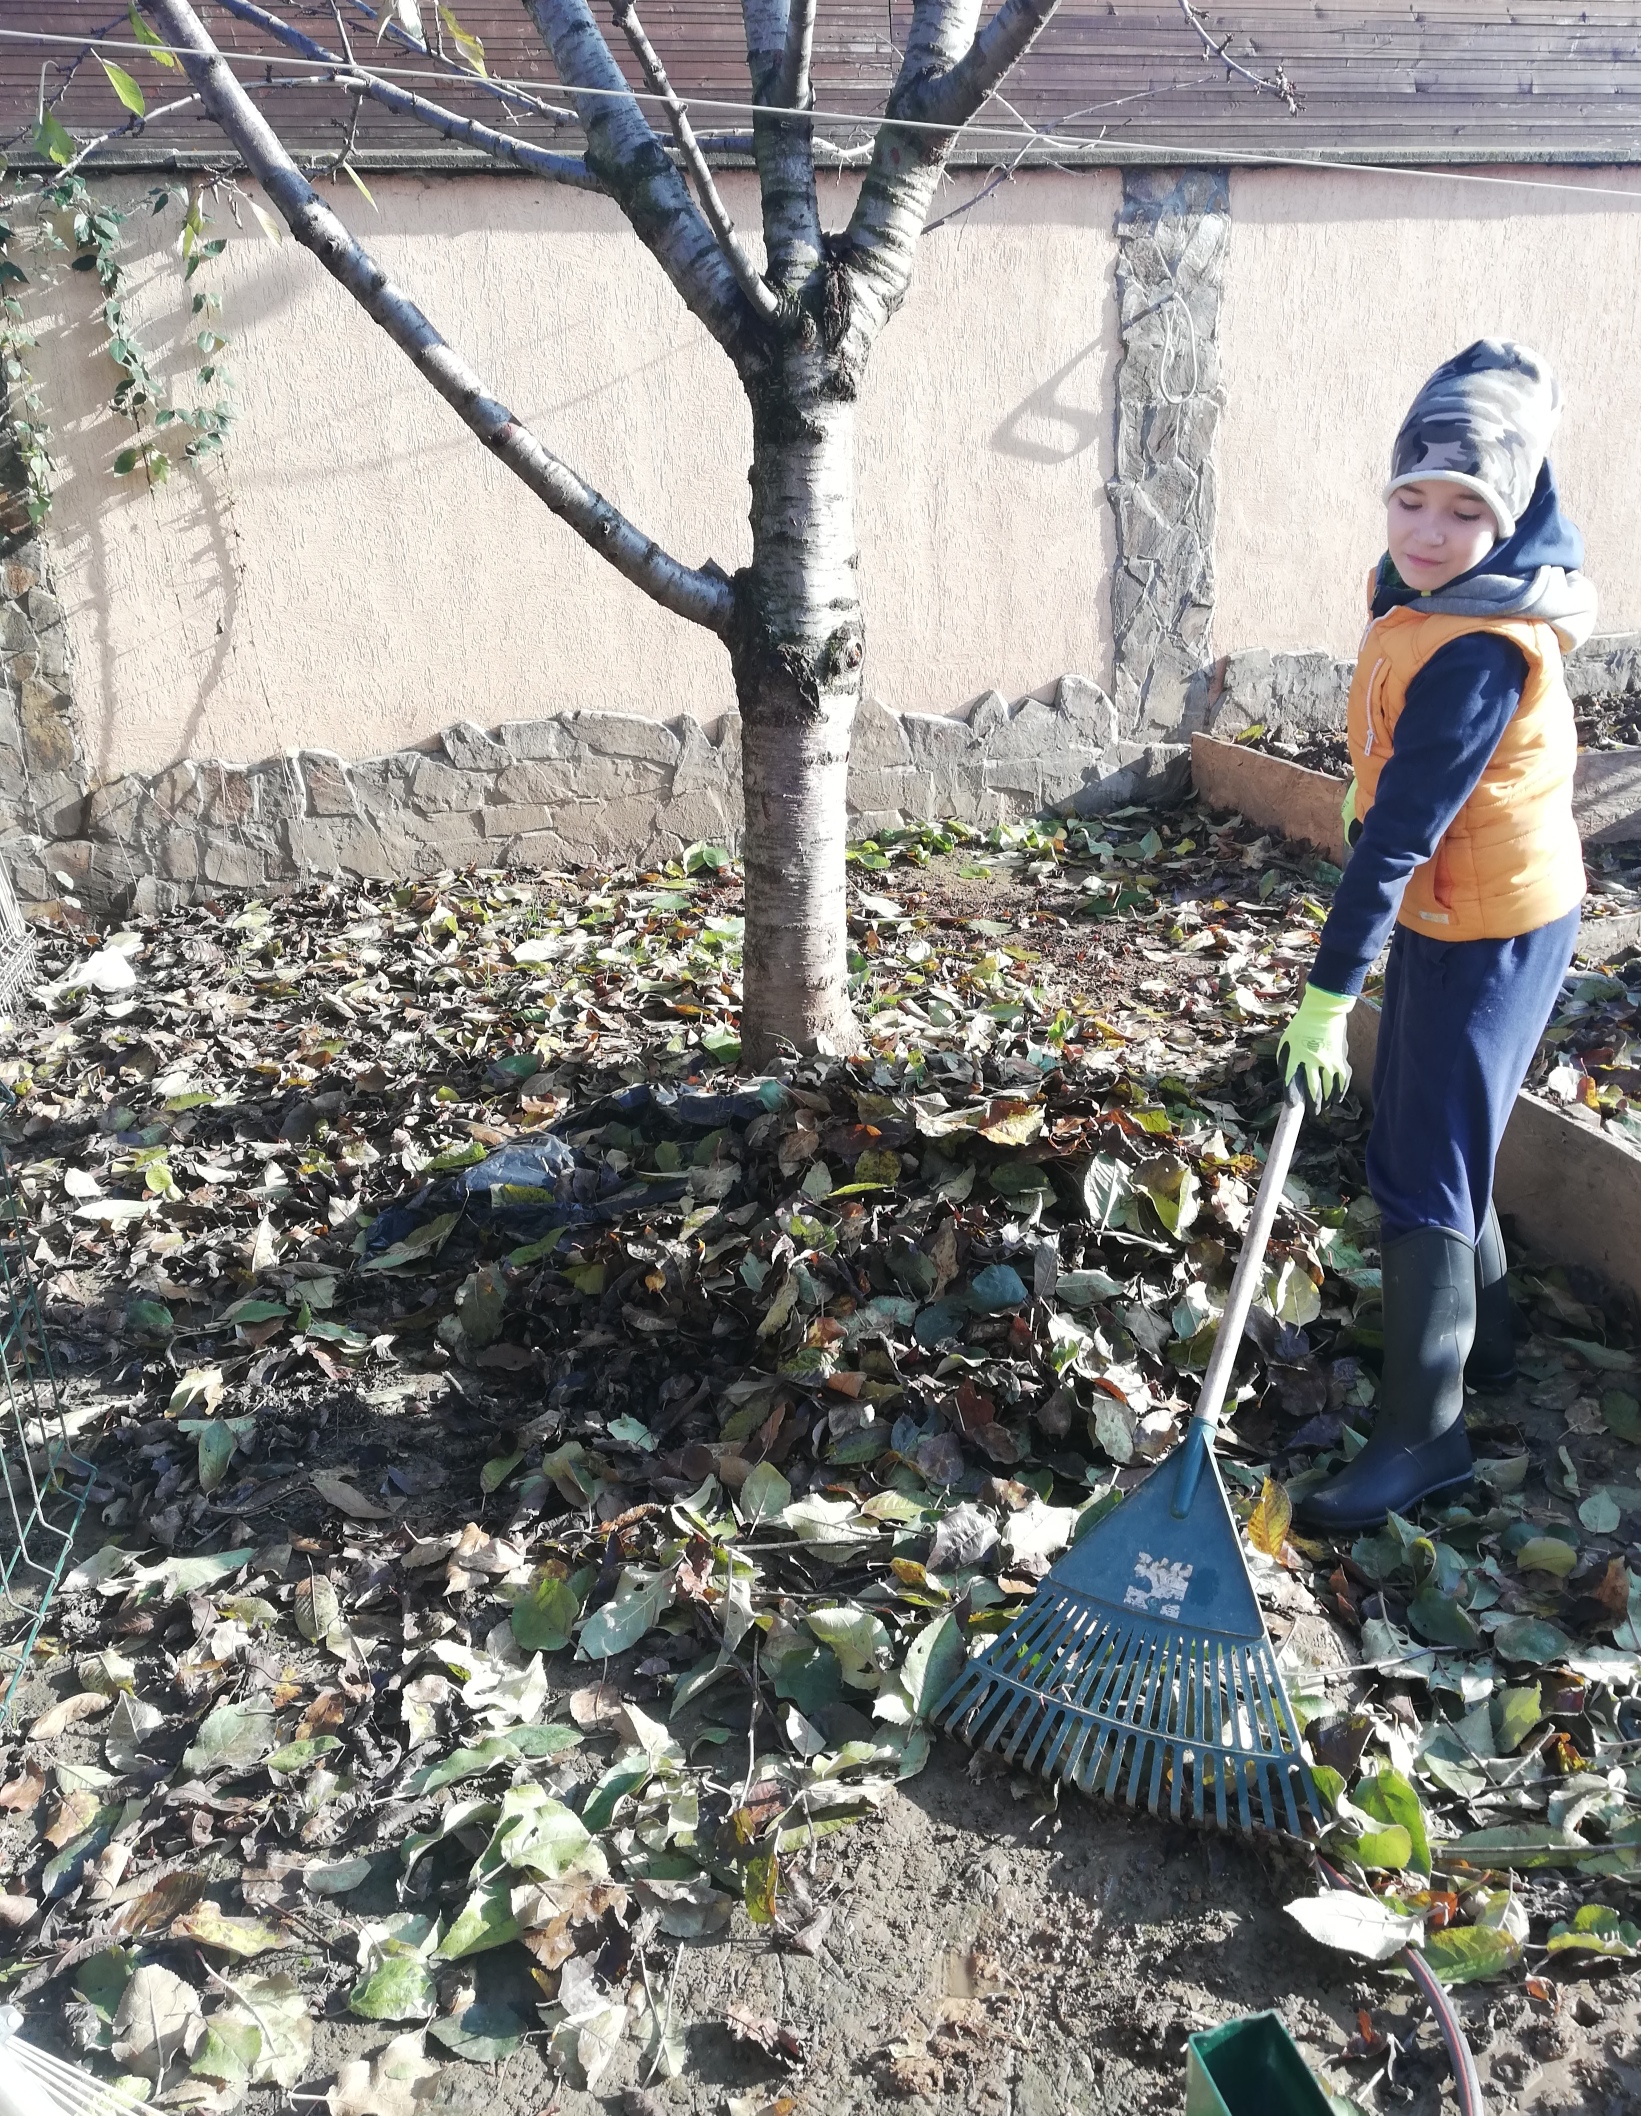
[(1347, 815), (1313, 1046)]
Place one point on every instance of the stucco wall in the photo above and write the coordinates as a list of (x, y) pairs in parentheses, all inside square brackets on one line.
[(1342, 291), (356, 573)]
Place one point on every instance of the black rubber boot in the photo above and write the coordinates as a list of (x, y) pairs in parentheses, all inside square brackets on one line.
[(1492, 1361), (1418, 1445)]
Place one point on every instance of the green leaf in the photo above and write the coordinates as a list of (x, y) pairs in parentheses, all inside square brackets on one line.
[(490, 1755), (217, 1444), (1442, 1619), (765, 1495), (234, 1738), (639, 1601), (483, 2034), (1622, 1413), (1547, 1554), (933, 1663), (299, 1755), (240, 1937), (1470, 1954), (1601, 1513), (425, 1241), (1388, 1797), (762, 1884), (156, 43), (53, 141), (123, 86), (484, 1921), (1386, 1850), (1596, 1929), (1359, 1925), (399, 1988), (1530, 1638), (856, 1636), (1515, 1714), (544, 1621)]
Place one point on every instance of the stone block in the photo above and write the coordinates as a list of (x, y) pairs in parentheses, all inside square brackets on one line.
[(1089, 711), (230, 865), (60, 814), (703, 765), (700, 818), (937, 739), (16, 633), (1159, 774), (49, 739), (625, 735), (543, 784), (437, 788), (22, 569), (470, 748), (113, 809), (505, 819), (174, 797), (532, 742), (326, 782), (879, 789), (277, 791), (44, 610), (618, 776), (180, 856), (1607, 796), (1608, 666), (543, 849), (872, 822), (879, 741), (323, 845), (987, 715), (227, 796)]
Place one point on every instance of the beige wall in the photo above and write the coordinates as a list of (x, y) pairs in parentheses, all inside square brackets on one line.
[(355, 572), (1342, 291)]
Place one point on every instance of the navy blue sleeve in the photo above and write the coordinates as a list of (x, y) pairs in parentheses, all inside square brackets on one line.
[(1457, 707)]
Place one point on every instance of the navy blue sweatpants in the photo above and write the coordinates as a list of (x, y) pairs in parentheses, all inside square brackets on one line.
[(1459, 1026)]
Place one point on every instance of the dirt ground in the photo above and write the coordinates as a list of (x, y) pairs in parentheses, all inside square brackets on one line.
[(989, 1948)]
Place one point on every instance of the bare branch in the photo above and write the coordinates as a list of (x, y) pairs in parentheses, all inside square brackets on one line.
[(785, 152), (640, 176), (502, 146), (747, 276), (946, 75), (797, 91), (702, 594), (1276, 84), (952, 98)]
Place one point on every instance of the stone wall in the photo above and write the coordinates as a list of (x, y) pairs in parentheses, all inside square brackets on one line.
[(571, 791), (1171, 236)]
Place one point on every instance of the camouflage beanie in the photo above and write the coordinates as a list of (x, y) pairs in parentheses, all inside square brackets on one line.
[(1483, 421)]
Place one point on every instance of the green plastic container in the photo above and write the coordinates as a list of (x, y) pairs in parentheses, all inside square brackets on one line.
[(1250, 2067)]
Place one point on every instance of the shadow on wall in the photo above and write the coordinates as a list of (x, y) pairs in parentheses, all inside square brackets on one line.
[(1074, 426)]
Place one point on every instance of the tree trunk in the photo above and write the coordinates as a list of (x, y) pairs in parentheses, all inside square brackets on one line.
[(797, 646)]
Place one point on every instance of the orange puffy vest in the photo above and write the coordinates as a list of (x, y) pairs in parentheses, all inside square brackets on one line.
[(1510, 860)]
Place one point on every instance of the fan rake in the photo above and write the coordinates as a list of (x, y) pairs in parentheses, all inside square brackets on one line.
[(1142, 1669)]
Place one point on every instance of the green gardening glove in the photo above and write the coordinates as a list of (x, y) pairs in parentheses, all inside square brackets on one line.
[(1313, 1046), (1348, 816)]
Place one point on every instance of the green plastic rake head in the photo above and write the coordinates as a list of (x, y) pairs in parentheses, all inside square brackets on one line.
[(1142, 1668)]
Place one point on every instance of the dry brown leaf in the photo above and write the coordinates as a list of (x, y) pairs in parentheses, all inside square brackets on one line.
[(598, 1705), (75, 1814), (16, 1912), (397, 2082), (68, 1712), (336, 1491), (22, 1795), (159, 1903), (327, 1714)]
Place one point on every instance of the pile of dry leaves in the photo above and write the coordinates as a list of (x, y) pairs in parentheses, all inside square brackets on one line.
[(544, 1479)]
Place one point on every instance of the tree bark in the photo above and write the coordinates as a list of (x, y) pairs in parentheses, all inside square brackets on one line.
[(796, 646)]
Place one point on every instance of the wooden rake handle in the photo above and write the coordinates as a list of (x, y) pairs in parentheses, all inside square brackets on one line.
[(1250, 1266)]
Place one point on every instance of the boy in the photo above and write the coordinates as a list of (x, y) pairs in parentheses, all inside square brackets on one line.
[(1460, 814)]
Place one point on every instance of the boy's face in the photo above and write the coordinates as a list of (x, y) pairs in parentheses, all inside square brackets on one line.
[(1435, 531)]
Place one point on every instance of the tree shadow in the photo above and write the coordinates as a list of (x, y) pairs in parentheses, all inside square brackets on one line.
[(1045, 408)]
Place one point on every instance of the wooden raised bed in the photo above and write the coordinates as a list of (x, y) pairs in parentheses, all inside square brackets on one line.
[(1573, 1192)]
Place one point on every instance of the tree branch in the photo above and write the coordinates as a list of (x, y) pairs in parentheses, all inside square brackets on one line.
[(784, 149), (1276, 84), (702, 594), (502, 146), (747, 276), (639, 175), (797, 92), (952, 98), (947, 74)]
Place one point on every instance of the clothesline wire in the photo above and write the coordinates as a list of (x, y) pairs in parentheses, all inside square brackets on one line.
[(1029, 135)]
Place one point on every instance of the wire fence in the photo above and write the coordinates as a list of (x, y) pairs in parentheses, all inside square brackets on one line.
[(43, 1481)]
